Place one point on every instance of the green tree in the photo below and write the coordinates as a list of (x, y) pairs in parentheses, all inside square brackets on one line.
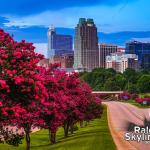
[(143, 84), (111, 85), (132, 88), (120, 81), (111, 70), (131, 75)]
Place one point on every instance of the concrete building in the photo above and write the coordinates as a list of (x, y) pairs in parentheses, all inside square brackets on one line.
[(59, 44), (121, 49), (120, 61), (142, 49), (105, 50), (86, 45), (44, 63), (65, 61)]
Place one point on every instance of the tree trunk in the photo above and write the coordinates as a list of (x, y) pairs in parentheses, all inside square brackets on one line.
[(27, 140), (49, 134), (66, 129), (53, 137), (86, 123), (81, 124), (71, 128)]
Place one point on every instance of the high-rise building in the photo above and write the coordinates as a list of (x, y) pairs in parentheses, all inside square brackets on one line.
[(120, 61), (105, 50), (142, 49), (86, 45), (59, 44)]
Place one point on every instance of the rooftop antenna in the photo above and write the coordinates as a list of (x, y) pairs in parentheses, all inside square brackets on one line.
[(51, 27)]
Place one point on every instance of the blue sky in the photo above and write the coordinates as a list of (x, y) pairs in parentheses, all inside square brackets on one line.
[(109, 15), (30, 19)]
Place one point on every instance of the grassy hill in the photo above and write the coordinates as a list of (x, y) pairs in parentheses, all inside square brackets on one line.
[(95, 136)]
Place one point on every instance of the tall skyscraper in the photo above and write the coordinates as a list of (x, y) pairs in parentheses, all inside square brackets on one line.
[(105, 50), (142, 49), (86, 45), (58, 44)]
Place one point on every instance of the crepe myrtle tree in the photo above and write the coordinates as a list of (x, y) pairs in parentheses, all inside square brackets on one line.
[(7, 134), (69, 101), (79, 98), (7, 113), (72, 92), (52, 111), (61, 107), (25, 88), (94, 109)]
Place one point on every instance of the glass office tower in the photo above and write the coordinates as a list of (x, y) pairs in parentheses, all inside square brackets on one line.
[(142, 49), (59, 44)]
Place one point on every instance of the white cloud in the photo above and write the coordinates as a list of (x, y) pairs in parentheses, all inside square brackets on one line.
[(108, 19), (64, 18)]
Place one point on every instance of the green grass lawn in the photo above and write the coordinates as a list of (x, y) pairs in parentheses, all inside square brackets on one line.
[(95, 136), (132, 102)]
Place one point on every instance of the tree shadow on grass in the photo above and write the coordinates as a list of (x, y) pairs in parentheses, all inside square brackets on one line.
[(72, 138)]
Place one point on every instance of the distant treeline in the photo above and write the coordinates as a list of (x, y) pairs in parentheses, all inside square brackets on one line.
[(109, 80)]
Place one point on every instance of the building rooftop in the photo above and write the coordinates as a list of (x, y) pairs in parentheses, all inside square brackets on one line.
[(89, 20), (107, 44), (139, 40), (119, 56), (82, 20), (51, 28)]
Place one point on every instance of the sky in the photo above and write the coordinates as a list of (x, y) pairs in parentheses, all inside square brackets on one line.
[(30, 19), (109, 15)]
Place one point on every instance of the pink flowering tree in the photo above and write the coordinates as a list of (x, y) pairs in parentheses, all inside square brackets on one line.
[(79, 98), (52, 111), (6, 135), (94, 108), (24, 85), (69, 101)]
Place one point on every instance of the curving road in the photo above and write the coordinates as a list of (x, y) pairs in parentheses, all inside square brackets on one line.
[(119, 115)]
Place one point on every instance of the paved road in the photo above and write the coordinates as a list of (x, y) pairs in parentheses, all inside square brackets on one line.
[(119, 115)]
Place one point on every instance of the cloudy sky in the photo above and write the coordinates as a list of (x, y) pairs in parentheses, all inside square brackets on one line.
[(109, 15)]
